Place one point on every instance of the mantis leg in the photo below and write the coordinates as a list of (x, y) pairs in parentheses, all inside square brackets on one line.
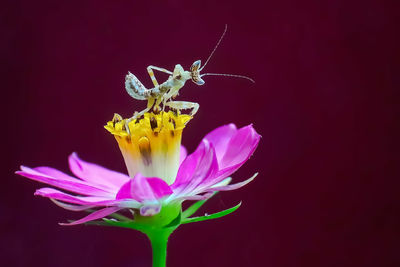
[(137, 115), (151, 73), (178, 105), (150, 104)]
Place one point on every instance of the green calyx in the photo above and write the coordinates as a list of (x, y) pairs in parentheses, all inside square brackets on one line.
[(169, 218), (159, 227)]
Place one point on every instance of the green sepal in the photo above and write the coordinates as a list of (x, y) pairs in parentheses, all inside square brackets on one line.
[(141, 223), (125, 224), (194, 207), (181, 218), (175, 222), (211, 216), (99, 223), (128, 224)]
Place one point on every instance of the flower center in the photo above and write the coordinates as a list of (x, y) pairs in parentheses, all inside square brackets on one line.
[(151, 145)]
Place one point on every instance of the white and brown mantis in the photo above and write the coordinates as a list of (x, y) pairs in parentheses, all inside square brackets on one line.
[(163, 93)]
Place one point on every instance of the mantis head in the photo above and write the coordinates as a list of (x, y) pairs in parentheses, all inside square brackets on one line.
[(196, 67), (195, 73)]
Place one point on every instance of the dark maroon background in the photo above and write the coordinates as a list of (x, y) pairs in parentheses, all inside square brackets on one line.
[(326, 73)]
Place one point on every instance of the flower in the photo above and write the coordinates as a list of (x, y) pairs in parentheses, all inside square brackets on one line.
[(152, 144), (160, 172)]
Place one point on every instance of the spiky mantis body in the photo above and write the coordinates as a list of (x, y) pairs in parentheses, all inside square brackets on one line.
[(164, 92)]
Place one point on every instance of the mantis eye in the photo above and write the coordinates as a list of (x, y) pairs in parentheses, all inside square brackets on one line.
[(195, 66), (198, 81)]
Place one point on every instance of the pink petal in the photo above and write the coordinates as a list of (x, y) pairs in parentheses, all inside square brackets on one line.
[(142, 188), (125, 191), (183, 155), (196, 169), (150, 210), (96, 174), (233, 147), (196, 197), (220, 138), (239, 149), (69, 206), (233, 186), (56, 194), (55, 173), (62, 180), (94, 216), (86, 201), (160, 187), (224, 182)]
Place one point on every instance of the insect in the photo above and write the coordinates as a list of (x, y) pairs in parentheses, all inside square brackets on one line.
[(164, 92)]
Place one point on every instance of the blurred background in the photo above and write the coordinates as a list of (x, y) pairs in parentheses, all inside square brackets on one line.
[(324, 102)]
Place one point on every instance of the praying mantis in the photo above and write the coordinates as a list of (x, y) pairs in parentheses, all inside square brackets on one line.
[(164, 92)]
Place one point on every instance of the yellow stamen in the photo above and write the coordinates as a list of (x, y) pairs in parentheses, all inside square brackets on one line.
[(152, 144)]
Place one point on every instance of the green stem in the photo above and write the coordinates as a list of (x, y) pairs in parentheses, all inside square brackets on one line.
[(159, 240)]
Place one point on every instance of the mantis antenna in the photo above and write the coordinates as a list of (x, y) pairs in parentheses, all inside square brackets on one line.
[(222, 74), (215, 48), (229, 75)]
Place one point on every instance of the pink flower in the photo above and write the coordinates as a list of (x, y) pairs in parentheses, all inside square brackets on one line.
[(201, 173)]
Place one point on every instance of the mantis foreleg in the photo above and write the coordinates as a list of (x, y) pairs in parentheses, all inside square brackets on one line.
[(151, 73), (178, 105)]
